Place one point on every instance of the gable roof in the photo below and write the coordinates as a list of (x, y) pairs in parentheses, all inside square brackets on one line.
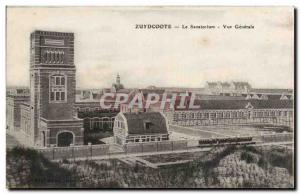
[(136, 123)]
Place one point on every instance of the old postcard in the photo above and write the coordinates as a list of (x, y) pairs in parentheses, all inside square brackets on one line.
[(150, 97)]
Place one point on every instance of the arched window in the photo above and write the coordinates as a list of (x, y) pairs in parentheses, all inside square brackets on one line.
[(45, 55), (62, 56), (56, 57), (51, 57), (48, 58)]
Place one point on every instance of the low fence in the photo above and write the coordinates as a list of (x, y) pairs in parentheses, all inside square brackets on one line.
[(155, 146), (87, 151)]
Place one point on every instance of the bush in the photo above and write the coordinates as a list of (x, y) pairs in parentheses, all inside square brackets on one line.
[(250, 149), (262, 163), (283, 160), (42, 172), (249, 158)]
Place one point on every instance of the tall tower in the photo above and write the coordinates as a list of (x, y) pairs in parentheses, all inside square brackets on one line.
[(52, 89), (118, 80)]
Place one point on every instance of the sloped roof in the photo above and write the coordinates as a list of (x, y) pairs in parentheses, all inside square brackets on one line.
[(241, 84), (270, 90), (241, 104), (136, 123), (151, 91), (124, 90)]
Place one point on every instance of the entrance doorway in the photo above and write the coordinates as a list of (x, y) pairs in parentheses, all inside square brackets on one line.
[(65, 139), (43, 139)]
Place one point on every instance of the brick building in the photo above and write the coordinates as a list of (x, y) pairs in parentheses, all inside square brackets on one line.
[(49, 117), (239, 112)]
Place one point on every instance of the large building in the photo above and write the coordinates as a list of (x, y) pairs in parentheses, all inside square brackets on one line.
[(46, 113), (49, 117), (140, 127), (239, 112), (227, 88)]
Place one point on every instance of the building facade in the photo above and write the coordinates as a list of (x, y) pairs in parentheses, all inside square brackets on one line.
[(48, 116), (52, 90), (242, 112), (14, 98)]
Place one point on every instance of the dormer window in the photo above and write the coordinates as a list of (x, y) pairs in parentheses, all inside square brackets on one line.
[(249, 106), (147, 125), (53, 56)]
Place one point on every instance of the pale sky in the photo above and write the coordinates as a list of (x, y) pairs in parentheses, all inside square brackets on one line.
[(107, 43)]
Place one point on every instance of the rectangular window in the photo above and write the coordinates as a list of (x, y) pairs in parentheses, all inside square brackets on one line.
[(62, 95), (57, 81), (52, 80), (206, 115), (52, 96), (147, 125), (62, 81), (57, 88), (213, 115), (57, 96)]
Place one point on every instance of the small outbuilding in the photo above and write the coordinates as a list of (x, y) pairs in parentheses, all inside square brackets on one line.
[(140, 127)]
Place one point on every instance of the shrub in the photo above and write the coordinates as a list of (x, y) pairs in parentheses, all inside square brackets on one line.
[(249, 158), (42, 172), (283, 160), (250, 149)]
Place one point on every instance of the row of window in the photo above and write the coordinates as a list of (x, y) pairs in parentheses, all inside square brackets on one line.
[(146, 139), (55, 57), (58, 88), (101, 125), (272, 113), (229, 114), (208, 115), (210, 122), (88, 109), (57, 96), (58, 80), (120, 124)]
